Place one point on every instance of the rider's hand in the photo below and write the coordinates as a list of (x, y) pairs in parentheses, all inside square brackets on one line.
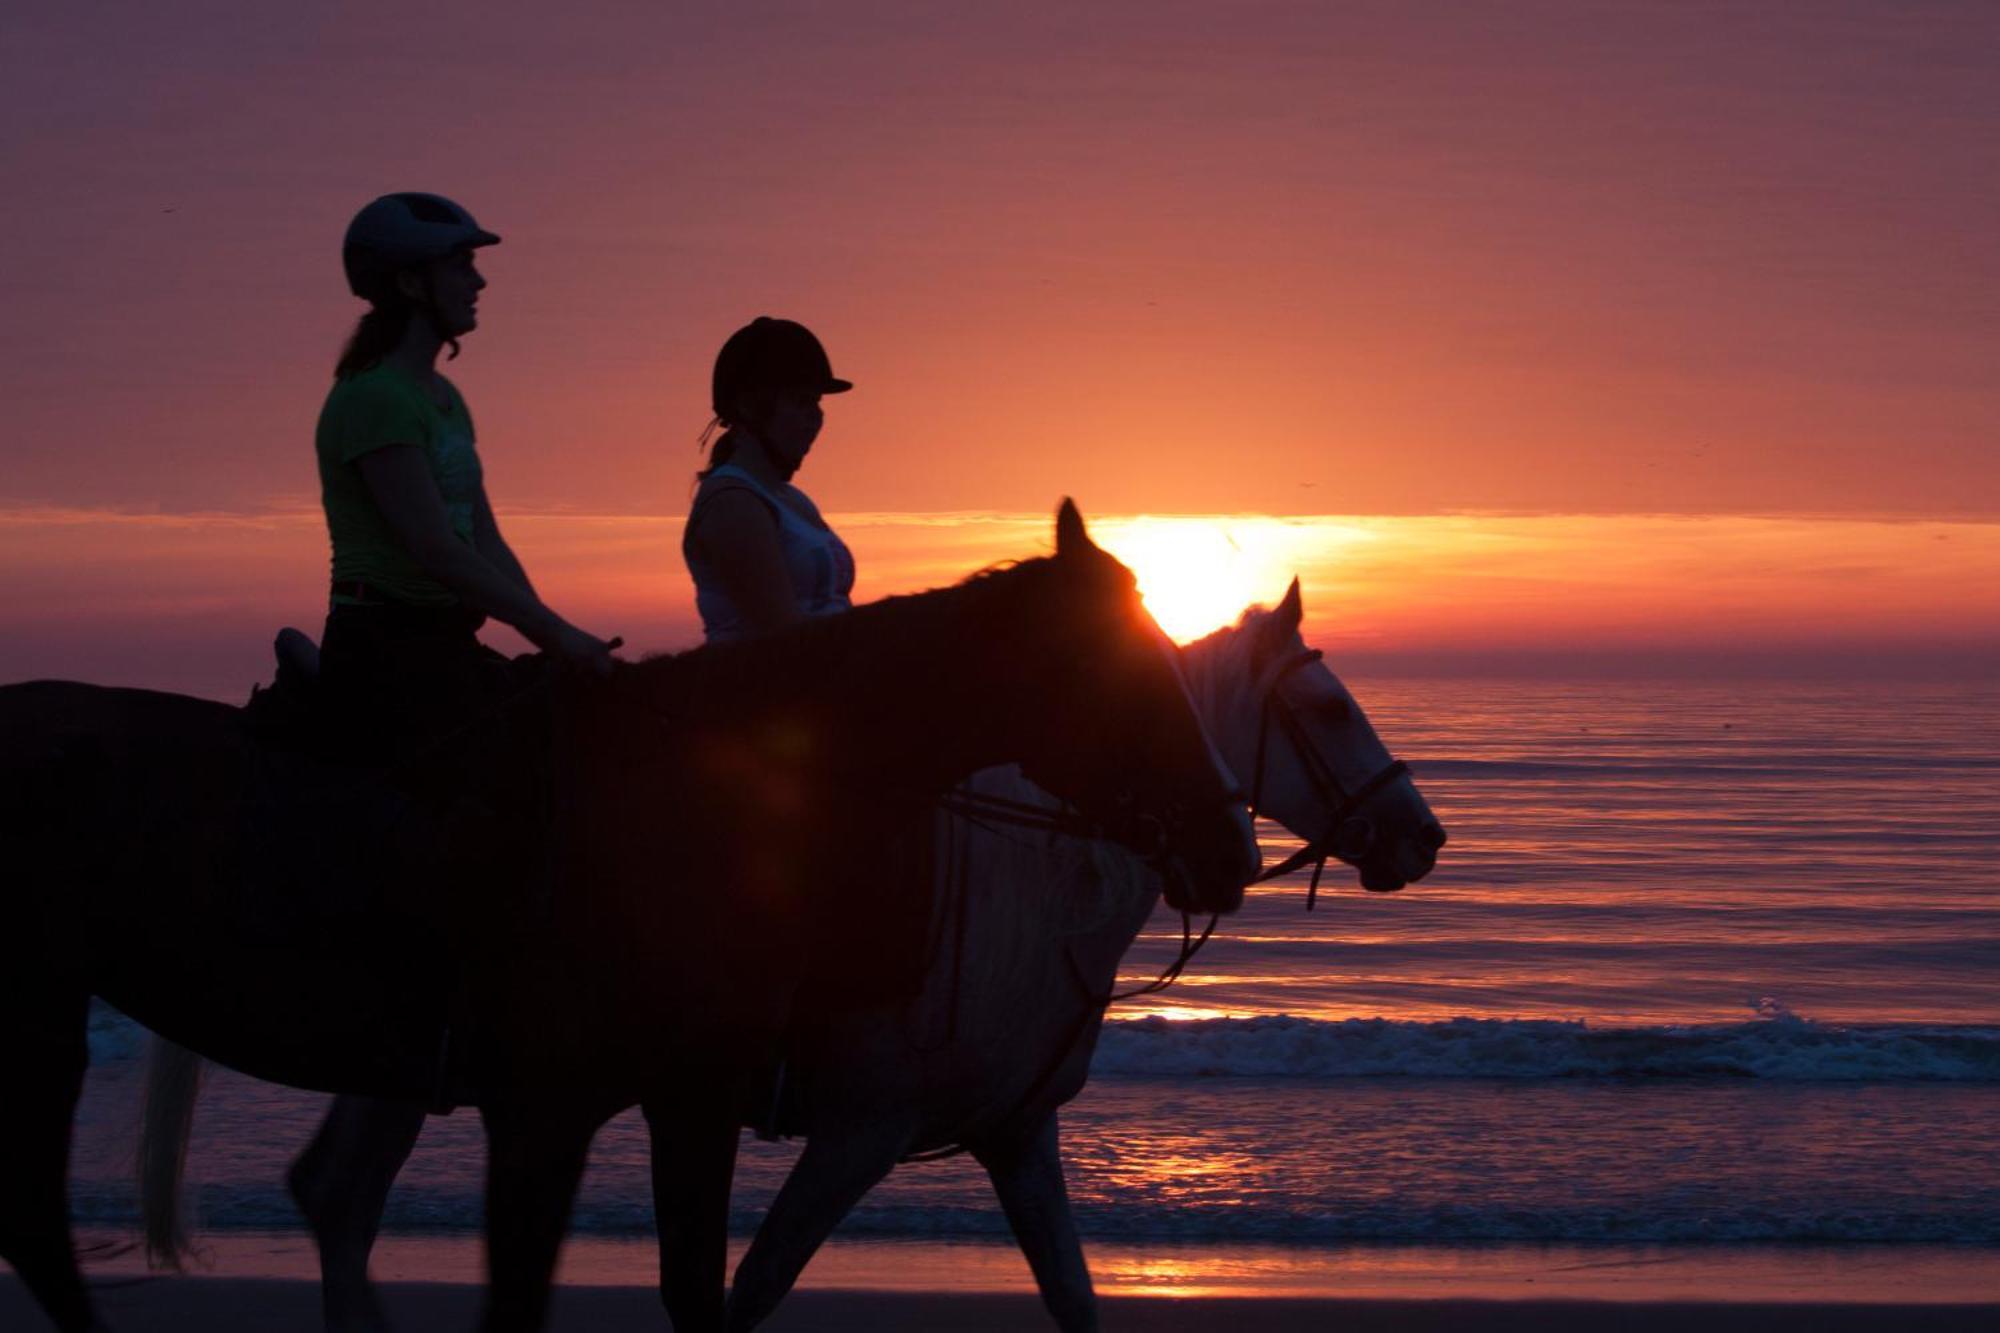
[(588, 651)]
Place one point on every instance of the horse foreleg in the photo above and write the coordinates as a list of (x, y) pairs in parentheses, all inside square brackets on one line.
[(535, 1158), (49, 1054), (1027, 1175), (694, 1159), (832, 1174), (341, 1183)]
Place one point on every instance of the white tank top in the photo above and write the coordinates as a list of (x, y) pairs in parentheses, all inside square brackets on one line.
[(820, 565)]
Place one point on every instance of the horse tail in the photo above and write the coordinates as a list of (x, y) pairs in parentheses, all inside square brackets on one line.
[(173, 1081)]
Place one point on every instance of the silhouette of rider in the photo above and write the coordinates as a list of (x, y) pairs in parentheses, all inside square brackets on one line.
[(419, 562), (761, 555)]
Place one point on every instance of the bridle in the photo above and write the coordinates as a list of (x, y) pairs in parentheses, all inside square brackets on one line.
[(981, 808), (989, 810), (1326, 784)]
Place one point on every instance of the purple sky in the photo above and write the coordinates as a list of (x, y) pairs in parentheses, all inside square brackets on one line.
[(1315, 257)]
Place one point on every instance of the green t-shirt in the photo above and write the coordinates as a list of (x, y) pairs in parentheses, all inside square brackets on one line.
[(378, 407)]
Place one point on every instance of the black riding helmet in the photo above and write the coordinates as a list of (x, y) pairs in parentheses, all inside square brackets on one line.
[(768, 356), (401, 231)]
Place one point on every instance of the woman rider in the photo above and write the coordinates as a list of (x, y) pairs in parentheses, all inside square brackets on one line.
[(762, 558), (761, 555), (418, 565), (418, 559)]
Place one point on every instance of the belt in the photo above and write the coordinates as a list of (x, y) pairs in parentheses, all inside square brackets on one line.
[(361, 591), (367, 596)]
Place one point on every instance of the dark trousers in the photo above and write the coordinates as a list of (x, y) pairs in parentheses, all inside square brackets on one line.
[(398, 680)]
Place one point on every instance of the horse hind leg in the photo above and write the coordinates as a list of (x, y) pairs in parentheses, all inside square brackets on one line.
[(50, 1053), (837, 1168), (1027, 1176)]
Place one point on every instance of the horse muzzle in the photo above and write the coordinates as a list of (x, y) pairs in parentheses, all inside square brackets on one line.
[(1386, 866)]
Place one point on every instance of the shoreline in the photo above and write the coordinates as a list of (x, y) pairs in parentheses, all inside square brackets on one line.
[(168, 1305), (1821, 1275)]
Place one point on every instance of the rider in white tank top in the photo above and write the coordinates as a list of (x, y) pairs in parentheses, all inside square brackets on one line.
[(762, 558), (818, 562), (759, 552)]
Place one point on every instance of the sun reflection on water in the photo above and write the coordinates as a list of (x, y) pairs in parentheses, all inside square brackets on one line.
[(1185, 1013)]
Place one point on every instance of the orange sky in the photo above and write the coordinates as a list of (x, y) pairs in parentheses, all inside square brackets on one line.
[(190, 601), (1378, 259)]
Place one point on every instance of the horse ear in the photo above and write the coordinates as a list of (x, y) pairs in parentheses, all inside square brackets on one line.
[(1071, 539), (1290, 612), (1278, 630)]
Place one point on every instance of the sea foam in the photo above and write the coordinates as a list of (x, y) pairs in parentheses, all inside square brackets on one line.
[(1779, 1046)]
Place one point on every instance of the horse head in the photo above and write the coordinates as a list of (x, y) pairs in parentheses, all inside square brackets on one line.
[(1131, 753), (1313, 761)]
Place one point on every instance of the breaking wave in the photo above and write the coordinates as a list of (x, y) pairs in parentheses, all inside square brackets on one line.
[(1780, 1046)]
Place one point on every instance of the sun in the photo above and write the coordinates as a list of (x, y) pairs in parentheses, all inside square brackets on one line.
[(1198, 574)]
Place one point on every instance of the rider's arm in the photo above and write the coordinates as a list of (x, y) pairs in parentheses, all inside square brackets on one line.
[(738, 539), (399, 482), (486, 539)]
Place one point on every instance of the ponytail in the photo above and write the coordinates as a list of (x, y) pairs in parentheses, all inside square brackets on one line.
[(374, 338), (377, 334), (720, 452)]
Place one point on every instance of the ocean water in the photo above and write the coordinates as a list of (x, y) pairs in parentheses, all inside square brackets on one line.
[(1704, 962)]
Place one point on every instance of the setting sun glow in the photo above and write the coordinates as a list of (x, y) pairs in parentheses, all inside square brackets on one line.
[(1197, 574)]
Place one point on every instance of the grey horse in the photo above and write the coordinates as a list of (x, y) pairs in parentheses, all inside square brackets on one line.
[(1044, 921)]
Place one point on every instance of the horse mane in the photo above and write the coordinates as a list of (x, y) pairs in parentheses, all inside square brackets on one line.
[(821, 651), (1220, 640), (1207, 662)]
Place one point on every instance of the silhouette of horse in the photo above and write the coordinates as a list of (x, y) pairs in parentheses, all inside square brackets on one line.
[(1008, 1013), (643, 944), (1003, 1030)]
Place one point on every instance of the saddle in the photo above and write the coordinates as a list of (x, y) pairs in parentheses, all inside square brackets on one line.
[(327, 845), (336, 839), (406, 864), (307, 750)]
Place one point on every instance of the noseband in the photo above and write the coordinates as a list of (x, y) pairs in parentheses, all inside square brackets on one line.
[(1318, 772)]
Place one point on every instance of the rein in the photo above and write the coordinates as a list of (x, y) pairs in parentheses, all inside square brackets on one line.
[(985, 809), (1190, 946), (1317, 851), (988, 810)]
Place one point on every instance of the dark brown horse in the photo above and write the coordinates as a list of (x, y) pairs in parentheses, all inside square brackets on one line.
[(613, 902)]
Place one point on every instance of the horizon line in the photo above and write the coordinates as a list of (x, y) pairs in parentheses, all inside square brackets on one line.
[(13, 512)]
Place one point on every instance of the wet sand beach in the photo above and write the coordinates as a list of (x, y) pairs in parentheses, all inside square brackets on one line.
[(213, 1305), (264, 1282)]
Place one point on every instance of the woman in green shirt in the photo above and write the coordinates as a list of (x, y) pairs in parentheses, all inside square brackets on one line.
[(418, 565), (418, 559)]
